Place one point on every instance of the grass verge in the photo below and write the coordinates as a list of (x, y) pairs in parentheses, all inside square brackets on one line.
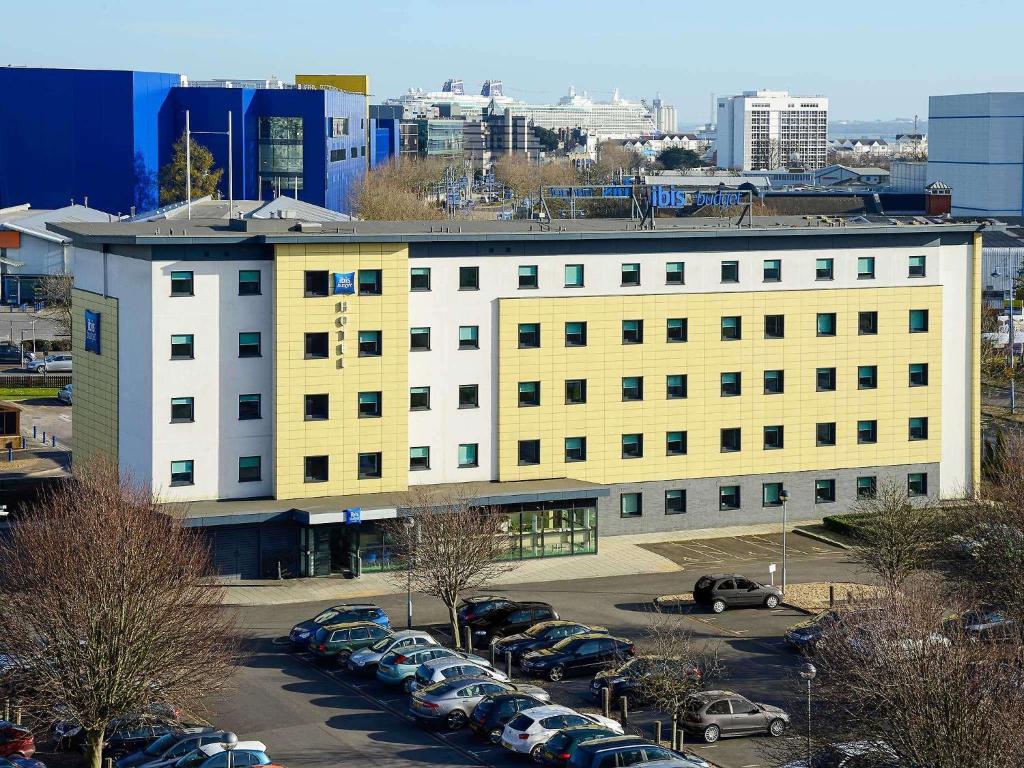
[(26, 393)]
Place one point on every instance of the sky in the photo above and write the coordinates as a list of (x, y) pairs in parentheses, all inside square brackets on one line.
[(873, 60)]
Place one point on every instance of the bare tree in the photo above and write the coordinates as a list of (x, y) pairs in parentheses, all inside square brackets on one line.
[(614, 158), (105, 609), (447, 547), (55, 293), (398, 191)]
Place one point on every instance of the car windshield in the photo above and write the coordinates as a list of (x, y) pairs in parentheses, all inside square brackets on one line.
[(536, 629), (324, 617), (520, 722), (567, 644), (559, 742), (158, 746), (381, 644), (444, 686)]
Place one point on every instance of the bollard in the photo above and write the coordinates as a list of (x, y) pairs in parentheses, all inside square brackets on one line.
[(492, 654), (34, 435), (44, 437), (24, 442), (53, 440), (469, 640), (675, 725), (606, 701), (657, 732), (508, 664), (831, 595), (624, 711), (108, 762), (17, 715), (10, 453)]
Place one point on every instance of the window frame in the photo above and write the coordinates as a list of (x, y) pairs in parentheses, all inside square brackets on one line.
[(771, 274), (832, 377), (632, 389), (190, 280), (678, 333), (471, 272), (831, 275), (577, 338), (831, 324), (729, 432), (530, 400), (634, 335), (921, 428), (476, 396), (629, 269), (730, 266), (732, 388), (191, 343), (779, 377), (531, 443), (867, 431), (259, 406), (577, 454), (866, 261), (419, 272), (419, 331), (374, 287), (918, 313), (476, 456), (637, 498), (730, 491), (631, 445), (670, 273), (419, 463), (581, 273), (258, 282), (829, 485), (377, 472), (533, 277), (737, 329), (244, 349), (259, 469), (778, 333), (474, 341), (922, 477), (683, 384), (917, 271), (308, 338), (678, 437), (187, 476), (680, 498), (188, 401), (308, 278), (311, 414), (378, 343), (862, 377), (778, 488), (872, 326), (830, 440), (780, 431), (582, 385), (862, 492), (419, 392), (922, 375), (523, 337), (314, 461), (378, 405)]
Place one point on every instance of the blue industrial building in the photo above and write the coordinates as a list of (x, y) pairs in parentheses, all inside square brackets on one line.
[(105, 134), (385, 133)]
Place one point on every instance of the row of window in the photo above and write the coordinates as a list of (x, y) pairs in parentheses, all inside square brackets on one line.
[(250, 470), (249, 283), (730, 496)]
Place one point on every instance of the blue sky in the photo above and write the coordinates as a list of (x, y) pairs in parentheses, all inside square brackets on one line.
[(874, 60)]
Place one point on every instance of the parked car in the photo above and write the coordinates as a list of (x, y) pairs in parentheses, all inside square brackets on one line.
[(366, 659), (169, 747), (450, 701), (488, 718), (339, 641), (852, 754), (399, 667), (16, 741), (65, 393), (509, 620), (988, 626), (625, 680), (122, 736), (337, 614), (245, 753), (579, 655), (527, 731), (131, 737), (558, 749), (58, 363), (633, 751), (714, 714), (806, 635), (430, 672), (11, 353), (21, 762), (730, 590), (472, 608), (542, 635)]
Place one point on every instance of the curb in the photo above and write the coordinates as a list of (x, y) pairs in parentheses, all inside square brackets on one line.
[(819, 537)]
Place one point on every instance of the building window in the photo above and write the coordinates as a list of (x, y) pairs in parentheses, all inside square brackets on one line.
[(419, 458), (528, 276), (771, 494), (825, 433), (677, 329), (469, 396), (826, 324), (631, 505), (370, 344), (917, 484), (632, 388), (573, 275), (249, 407), (732, 328), (468, 455), (316, 346), (823, 269), (576, 334), (867, 377), (249, 282), (419, 339), (730, 440), (182, 410), (249, 344), (675, 502), (919, 374), (315, 469), (182, 347), (529, 452), (630, 275), (575, 391), (729, 497), (774, 437), (866, 268), (369, 405), (824, 491), (916, 267), (469, 278), (774, 382), (867, 487), (249, 469), (675, 386), (633, 446), (675, 443), (529, 393), (529, 335), (775, 326), (867, 323), (731, 384), (867, 432), (919, 428), (369, 466), (469, 337), (825, 380), (575, 449), (182, 472), (918, 321), (730, 271), (772, 270), (316, 407), (419, 279), (371, 282), (632, 331), (181, 284), (675, 273), (419, 398), (317, 283)]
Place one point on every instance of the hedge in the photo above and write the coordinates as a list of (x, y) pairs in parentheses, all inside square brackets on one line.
[(849, 524)]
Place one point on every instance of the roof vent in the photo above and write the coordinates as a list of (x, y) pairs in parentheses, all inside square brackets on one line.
[(308, 226)]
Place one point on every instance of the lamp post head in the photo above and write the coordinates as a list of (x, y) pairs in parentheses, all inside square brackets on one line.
[(230, 741), (408, 522), (783, 495), (808, 672)]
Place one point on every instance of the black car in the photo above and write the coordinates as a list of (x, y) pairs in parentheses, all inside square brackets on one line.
[(625, 680), (730, 590), (509, 620), (579, 655), (542, 635), (11, 353), (472, 608), (627, 750), (489, 716)]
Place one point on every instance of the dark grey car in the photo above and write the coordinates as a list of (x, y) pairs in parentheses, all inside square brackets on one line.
[(716, 714), (730, 590), (450, 701)]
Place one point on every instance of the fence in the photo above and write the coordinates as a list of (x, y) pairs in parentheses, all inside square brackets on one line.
[(30, 380)]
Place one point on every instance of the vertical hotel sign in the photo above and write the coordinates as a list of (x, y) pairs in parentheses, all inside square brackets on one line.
[(92, 331)]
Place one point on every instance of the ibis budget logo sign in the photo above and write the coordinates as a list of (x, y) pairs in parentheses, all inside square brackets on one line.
[(671, 197), (92, 331), (345, 282)]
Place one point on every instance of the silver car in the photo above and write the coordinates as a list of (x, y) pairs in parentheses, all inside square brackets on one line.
[(166, 750), (449, 702), (436, 670), (367, 659), (59, 363), (716, 714)]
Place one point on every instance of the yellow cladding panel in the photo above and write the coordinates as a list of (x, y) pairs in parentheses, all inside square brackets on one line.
[(350, 83), (94, 407), (976, 365), (344, 374), (702, 359)]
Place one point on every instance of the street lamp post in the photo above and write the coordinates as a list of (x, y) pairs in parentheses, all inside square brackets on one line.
[(229, 743), (808, 673), (1011, 337), (784, 498), (410, 525)]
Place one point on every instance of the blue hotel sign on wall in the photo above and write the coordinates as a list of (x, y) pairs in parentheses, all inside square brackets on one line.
[(670, 197), (345, 282), (92, 331)]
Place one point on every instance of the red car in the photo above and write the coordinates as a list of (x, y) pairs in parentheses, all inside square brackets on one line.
[(16, 741)]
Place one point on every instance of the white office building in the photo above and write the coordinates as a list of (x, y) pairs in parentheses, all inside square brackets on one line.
[(762, 130), (976, 146), (665, 118)]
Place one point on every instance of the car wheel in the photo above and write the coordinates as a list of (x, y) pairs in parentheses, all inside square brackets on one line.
[(456, 719), (536, 754), (407, 684), (343, 657), (711, 734), (718, 606), (494, 735), (772, 601), (41, 370), (556, 673), (776, 727)]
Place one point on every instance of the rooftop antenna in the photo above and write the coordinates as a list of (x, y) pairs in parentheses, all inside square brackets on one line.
[(915, 123), (711, 111)]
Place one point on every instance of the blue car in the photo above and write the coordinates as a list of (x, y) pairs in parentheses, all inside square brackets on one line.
[(337, 614), (20, 762)]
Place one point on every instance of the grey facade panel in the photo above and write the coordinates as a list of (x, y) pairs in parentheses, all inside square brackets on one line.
[(235, 551)]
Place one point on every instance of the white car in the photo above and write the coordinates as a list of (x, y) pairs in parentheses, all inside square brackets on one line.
[(436, 670), (245, 753), (59, 363), (526, 732), (367, 659)]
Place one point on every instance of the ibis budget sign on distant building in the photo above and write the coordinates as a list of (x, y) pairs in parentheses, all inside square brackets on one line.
[(92, 331), (671, 197)]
